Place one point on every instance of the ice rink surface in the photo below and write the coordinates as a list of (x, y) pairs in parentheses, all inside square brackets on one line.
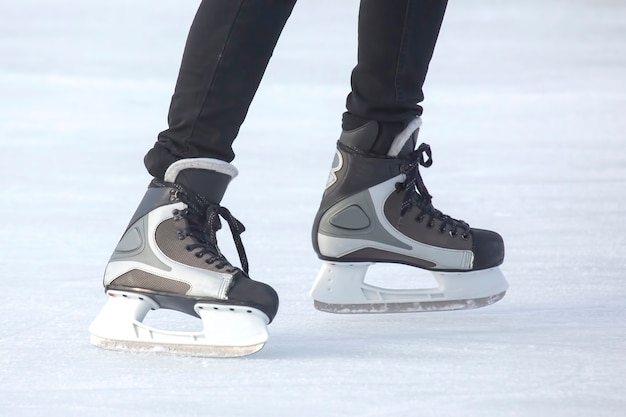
[(525, 111)]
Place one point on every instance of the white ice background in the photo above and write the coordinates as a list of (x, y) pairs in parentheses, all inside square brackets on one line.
[(525, 111)]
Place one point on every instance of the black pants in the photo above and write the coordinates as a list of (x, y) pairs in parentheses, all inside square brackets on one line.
[(229, 46)]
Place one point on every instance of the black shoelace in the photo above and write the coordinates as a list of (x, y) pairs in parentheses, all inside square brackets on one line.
[(416, 194), (203, 222)]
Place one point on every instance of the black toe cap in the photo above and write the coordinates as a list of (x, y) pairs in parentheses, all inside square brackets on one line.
[(488, 248), (246, 291)]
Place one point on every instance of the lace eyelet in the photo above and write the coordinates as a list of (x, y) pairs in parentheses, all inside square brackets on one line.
[(419, 219), (442, 230), (188, 248), (452, 233), (465, 236), (430, 224)]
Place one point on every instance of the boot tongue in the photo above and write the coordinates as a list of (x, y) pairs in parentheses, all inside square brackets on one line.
[(211, 185), (206, 177)]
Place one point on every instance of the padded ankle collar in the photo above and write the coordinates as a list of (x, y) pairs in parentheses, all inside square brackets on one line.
[(208, 164)]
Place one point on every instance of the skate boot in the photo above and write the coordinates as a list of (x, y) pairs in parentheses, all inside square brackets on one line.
[(168, 258), (377, 209)]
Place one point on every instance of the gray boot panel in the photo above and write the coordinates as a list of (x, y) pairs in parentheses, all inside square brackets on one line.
[(378, 242), (133, 247), (351, 218), (335, 222)]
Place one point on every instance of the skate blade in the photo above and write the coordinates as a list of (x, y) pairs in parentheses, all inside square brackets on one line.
[(228, 330), (340, 288), (407, 307), (201, 351)]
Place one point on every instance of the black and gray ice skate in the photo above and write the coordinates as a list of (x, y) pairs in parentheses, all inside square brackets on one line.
[(376, 209), (168, 257)]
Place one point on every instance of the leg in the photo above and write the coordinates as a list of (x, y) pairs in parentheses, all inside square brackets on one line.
[(228, 48), (376, 208), (396, 44)]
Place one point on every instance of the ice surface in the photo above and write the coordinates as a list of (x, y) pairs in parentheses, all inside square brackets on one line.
[(525, 105)]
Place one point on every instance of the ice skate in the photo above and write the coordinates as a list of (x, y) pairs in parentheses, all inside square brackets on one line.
[(168, 258), (376, 209)]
